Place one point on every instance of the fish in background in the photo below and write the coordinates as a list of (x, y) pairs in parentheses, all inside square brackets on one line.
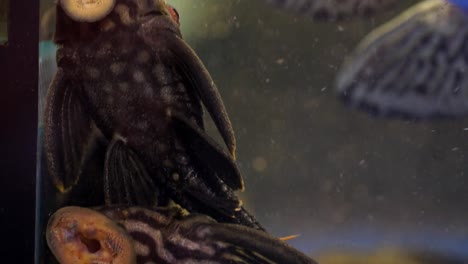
[(333, 10), (415, 66), (125, 74), (137, 235)]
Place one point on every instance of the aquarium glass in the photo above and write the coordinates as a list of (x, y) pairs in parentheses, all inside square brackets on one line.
[(356, 185), (4, 21)]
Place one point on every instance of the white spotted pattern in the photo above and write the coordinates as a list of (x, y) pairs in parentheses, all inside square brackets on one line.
[(117, 68), (161, 74), (92, 72), (143, 56), (124, 14), (123, 86), (138, 76), (107, 25)]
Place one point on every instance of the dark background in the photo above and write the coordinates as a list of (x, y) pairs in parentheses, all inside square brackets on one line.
[(18, 132)]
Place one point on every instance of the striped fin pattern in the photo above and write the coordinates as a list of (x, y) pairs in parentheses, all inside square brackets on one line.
[(332, 10), (413, 67), (167, 235)]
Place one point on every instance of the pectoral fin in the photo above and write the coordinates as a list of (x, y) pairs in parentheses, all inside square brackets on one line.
[(68, 131), (126, 180), (207, 151), (214, 198), (197, 76)]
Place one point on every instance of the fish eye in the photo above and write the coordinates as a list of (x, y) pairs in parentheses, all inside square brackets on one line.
[(174, 14)]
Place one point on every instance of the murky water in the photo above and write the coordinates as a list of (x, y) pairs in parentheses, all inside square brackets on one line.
[(345, 181)]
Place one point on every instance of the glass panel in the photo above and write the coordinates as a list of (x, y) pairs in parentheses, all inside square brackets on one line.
[(49, 199), (359, 180), (4, 7)]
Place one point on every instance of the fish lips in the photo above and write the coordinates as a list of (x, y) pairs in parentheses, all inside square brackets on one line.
[(81, 235)]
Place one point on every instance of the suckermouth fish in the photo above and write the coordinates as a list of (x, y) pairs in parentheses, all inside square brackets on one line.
[(125, 73), (414, 67), (136, 235)]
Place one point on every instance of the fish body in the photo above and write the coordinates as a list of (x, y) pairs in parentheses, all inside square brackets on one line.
[(131, 79), (332, 10), (412, 67), (160, 235)]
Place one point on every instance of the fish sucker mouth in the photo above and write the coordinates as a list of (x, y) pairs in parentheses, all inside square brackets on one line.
[(87, 10), (92, 245), (89, 3), (83, 236)]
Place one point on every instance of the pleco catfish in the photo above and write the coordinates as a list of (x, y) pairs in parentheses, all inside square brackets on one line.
[(332, 10), (125, 73), (126, 235), (414, 66)]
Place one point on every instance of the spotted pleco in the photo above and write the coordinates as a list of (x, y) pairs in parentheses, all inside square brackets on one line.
[(132, 79)]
